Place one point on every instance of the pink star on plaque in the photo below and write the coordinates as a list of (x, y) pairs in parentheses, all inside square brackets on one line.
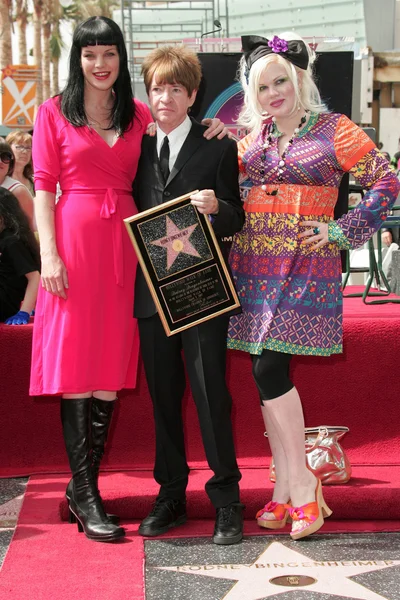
[(176, 241)]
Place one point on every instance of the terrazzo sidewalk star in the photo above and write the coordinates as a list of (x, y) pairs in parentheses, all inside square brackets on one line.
[(279, 564)]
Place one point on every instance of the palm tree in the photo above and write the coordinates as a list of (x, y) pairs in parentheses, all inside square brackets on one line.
[(21, 17), (6, 57), (47, 19), (37, 46), (56, 45), (92, 8)]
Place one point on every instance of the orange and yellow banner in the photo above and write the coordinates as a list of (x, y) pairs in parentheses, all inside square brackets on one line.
[(18, 84)]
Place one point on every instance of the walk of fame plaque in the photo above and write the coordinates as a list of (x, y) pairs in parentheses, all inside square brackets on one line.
[(182, 263), (333, 566)]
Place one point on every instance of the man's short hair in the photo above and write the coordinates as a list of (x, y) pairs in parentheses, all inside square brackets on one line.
[(172, 64)]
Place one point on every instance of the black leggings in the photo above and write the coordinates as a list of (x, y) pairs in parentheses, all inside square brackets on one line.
[(271, 374)]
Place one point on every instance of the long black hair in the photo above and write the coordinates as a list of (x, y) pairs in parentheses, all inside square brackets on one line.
[(99, 31), (13, 218)]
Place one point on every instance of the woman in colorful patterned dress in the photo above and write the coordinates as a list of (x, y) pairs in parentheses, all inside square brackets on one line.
[(286, 260)]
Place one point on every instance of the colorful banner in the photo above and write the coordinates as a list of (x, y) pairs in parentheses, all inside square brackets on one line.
[(18, 88)]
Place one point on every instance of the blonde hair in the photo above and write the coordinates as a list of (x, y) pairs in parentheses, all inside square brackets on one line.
[(17, 137), (172, 64), (307, 95)]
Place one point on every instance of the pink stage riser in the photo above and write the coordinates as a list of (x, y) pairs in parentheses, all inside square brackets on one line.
[(358, 389)]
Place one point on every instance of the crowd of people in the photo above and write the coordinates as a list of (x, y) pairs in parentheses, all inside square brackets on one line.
[(93, 312)]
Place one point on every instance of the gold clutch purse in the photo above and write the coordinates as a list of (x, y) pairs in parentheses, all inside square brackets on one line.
[(325, 456)]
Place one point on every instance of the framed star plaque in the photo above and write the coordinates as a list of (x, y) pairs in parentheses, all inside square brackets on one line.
[(182, 263)]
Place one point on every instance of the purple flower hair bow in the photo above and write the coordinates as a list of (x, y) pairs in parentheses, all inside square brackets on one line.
[(255, 47), (278, 45)]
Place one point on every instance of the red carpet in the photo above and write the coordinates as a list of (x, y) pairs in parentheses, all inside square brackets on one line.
[(50, 560), (370, 494)]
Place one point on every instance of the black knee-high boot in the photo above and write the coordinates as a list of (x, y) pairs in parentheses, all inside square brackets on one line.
[(85, 502), (100, 421), (101, 415)]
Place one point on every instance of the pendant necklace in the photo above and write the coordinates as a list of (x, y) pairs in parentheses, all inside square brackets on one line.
[(281, 163)]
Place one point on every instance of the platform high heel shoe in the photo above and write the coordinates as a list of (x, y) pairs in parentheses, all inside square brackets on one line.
[(280, 513), (310, 516), (84, 502), (100, 421)]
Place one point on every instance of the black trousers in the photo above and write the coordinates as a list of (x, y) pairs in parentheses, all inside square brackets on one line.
[(204, 348)]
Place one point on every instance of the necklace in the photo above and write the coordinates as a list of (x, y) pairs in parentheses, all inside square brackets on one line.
[(281, 164), (102, 120)]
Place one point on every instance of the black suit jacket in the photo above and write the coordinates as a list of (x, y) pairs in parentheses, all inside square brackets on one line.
[(201, 164)]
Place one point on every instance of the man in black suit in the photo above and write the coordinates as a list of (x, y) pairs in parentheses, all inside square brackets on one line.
[(175, 162)]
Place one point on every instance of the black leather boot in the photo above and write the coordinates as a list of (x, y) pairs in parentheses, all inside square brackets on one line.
[(85, 502), (101, 415)]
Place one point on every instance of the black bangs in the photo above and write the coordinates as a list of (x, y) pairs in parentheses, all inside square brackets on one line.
[(98, 32)]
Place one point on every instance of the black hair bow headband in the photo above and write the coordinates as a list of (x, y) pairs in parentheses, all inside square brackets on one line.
[(255, 47)]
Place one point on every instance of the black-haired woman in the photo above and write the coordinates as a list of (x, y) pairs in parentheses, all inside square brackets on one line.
[(85, 343), (85, 347), (19, 262)]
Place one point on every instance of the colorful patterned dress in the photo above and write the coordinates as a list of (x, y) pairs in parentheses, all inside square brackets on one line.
[(290, 294)]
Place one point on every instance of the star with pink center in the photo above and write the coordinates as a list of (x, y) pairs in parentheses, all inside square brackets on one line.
[(176, 241)]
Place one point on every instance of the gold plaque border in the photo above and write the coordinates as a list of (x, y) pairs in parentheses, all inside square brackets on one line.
[(153, 211)]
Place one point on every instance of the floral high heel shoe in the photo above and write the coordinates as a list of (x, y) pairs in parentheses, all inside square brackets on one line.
[(280, 512), (311, 515)]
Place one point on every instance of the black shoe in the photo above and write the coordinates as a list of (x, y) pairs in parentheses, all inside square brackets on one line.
[(166, 513), (229, 524)]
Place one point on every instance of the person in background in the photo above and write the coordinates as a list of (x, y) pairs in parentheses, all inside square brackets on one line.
[(395, 158), (85, 343), (21, 145), (176, 162), (390, 236), (286, 260), (19, 262), (20, 191)]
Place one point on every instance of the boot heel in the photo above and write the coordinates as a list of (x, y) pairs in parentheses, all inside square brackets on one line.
[(80, 528), (71, 517)]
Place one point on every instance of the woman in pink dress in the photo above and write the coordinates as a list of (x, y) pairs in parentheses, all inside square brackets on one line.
[(85, 343)]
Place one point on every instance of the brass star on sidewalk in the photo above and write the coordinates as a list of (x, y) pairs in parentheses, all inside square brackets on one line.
[(278, 564), (176, 241)]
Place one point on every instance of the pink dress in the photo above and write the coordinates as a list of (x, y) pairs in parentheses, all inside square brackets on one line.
[(89, 341)]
